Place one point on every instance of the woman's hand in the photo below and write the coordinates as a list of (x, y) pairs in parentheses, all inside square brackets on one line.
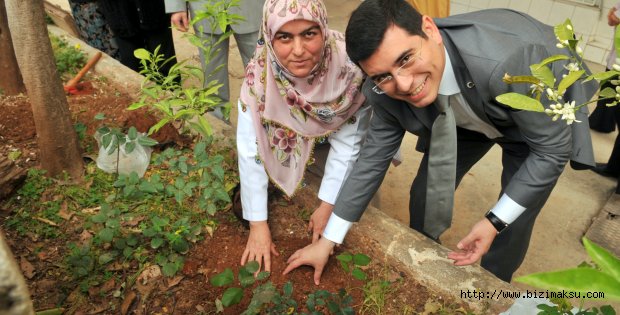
[(259, 246), (180, 21), (319, 219)]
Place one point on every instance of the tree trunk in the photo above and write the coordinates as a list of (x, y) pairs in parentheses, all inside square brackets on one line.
[(10, 78), (14, 295), (56, 137), (11, 177)]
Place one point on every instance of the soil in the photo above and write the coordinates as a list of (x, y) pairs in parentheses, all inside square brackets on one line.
[(189, 292)]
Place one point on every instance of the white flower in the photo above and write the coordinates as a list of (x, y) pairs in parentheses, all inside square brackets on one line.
[(563, 112), (616, 67), (540, 87), (573, 66), (559, 45), (579, 50)]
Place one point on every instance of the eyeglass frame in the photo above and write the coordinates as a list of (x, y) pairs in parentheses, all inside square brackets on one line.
[(414, 57)]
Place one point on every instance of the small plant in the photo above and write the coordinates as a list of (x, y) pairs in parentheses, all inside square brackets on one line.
[(564, 307), (233, 295), (351, 264), (336, 303), (267, 300), (603, 277), (69, 59)]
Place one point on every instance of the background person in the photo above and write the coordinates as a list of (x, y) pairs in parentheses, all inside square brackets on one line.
[(245, 32), (299, 87), (139, 24)]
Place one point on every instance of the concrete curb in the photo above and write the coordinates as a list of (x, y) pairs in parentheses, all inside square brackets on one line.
[(426, 262), (423, 259)]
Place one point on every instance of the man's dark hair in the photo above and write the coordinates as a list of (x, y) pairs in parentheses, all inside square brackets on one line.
[(372, 18)]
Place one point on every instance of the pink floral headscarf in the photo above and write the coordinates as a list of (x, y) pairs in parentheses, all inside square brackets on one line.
[(288, 112)]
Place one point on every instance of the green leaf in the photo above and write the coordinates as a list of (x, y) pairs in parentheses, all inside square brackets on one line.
[(157, 242), (232, 296), (106, 257), (602, 76), (221, 279), (288, 289), (563, 32), (608, 263), (543, 73), (520, 101), (262, 275), (142, 54), (170, 269), (129, 147), (346, 257), (147, 142), (607, 93), (147, 187), (251, 267), (607, 310), (576, 279), (359, 274), (100, 116), (222, 195), (132, 133), (568, 80), (361, 260), (106, 235), (553, 58), (181, 246)]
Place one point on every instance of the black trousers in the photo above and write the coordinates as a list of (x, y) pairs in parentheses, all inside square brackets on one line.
[(149, 40), (509, 247), (613, 164)]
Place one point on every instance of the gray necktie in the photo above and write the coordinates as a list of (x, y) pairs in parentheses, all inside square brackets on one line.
[(441, 171)]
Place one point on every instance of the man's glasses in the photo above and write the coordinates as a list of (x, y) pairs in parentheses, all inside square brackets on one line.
[(384, 81)]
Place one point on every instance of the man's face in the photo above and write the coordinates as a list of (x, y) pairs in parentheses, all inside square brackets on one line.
[(408, 67)]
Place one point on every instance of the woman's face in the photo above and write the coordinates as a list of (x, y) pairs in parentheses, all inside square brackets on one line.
[(298, 45)]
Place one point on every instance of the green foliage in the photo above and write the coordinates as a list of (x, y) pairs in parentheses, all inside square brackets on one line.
[(564, 307), (69, 59), (584, 279), (233, 295), (80, 261), (267, 300), (352, 264), (376, 292), (604, 278), (166, 94), (336, 303)]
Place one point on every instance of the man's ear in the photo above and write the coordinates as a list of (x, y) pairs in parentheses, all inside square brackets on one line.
[(430, 29)]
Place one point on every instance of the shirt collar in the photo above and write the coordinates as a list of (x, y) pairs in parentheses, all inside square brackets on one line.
[(448, 84)]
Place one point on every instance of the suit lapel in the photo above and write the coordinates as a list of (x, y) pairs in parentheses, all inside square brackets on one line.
[(465, 81)]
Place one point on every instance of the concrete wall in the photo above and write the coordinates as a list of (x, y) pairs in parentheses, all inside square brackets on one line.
[(589, 21)]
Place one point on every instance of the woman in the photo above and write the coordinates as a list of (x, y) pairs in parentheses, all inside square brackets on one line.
[(92, 26), (299, 86)]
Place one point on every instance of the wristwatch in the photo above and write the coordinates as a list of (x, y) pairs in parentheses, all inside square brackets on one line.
[(497, 223)]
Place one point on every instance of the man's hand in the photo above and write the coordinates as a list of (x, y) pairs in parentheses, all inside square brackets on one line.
[(319, 219), (612, 19), (314, 255), (475, 244), (180, 21), (259, 246)]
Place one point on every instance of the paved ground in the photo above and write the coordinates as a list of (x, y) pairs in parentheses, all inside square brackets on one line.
[(578, 197)]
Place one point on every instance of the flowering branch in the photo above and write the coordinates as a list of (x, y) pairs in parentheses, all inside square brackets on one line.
[(543, 81)]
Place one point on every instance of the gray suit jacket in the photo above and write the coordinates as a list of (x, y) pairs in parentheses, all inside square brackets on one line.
[(483, 46), (251, 10)]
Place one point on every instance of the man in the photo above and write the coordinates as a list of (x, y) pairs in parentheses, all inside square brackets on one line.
[(414, 63), (245, 32)]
